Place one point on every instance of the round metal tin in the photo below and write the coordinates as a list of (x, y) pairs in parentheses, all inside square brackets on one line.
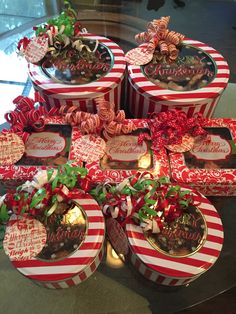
[(170, 270)]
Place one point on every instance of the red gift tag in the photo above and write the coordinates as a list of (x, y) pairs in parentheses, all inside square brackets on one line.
[(12, 148), (139, 56), (185, 146), (24, 238), (117, 236), (36, 49)]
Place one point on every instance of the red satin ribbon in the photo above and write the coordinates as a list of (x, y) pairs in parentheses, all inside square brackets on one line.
[(23, 43)]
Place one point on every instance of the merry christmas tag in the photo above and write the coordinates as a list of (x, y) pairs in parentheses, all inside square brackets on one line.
[(117, 236), (89, 148), (139, 56), (24, 238), (12, 148), (36, 49)]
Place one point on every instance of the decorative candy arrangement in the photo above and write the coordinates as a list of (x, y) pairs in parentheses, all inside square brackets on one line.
[(54, 227), (69, 66), (172, 221)]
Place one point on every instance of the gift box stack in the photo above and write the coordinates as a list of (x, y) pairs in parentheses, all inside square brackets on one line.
[(80, 164)]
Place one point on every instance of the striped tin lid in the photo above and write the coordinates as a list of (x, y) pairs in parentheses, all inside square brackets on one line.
[(191, 265), (79, 260), (211, 90), (96, 88)]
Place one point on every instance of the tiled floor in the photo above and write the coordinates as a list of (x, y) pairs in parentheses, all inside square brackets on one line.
[(213, 22)]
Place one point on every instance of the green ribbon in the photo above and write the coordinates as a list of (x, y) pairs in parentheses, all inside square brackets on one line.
[(145, 212), (49, 174), (67, 18), (66, 175), (38, 197), (4, 216), (233, 146), (2, 234)]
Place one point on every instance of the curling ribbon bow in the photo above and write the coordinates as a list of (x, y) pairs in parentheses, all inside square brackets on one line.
[(26, 115), (169, 127), (59, 31), (46, 190), (105, 120), (158, 36), (79, 45), (153, 203)]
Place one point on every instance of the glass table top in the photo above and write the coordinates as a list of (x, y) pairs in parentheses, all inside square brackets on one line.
[(116, 287)]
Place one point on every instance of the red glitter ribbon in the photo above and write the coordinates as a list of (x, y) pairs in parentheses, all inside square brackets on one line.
[(169, 127)]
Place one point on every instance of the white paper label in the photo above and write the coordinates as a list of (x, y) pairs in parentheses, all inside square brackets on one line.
[(24, 238), (89, 148), (213, 147), (45, 144), (125, 148)]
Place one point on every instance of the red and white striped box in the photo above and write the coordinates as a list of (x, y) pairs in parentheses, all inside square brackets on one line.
[(210, 167), (146, 97), (77, 266), (109, 85), (124, 152), (170, 270), (14, 175)]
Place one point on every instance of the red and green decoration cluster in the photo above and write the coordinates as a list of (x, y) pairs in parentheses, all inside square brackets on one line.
[(66, 22), (59, 32), (41, 196), (153, 203)]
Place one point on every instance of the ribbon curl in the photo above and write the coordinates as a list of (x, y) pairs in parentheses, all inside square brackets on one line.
[(105, 120), (169, 127), (59, 32), (153, 203), (26, 116), (158, 36), (48, 188)]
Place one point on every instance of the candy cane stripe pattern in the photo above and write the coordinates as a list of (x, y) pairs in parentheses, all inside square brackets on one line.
[(81, 264), (107, 86), (146, 97), (175, 271)]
